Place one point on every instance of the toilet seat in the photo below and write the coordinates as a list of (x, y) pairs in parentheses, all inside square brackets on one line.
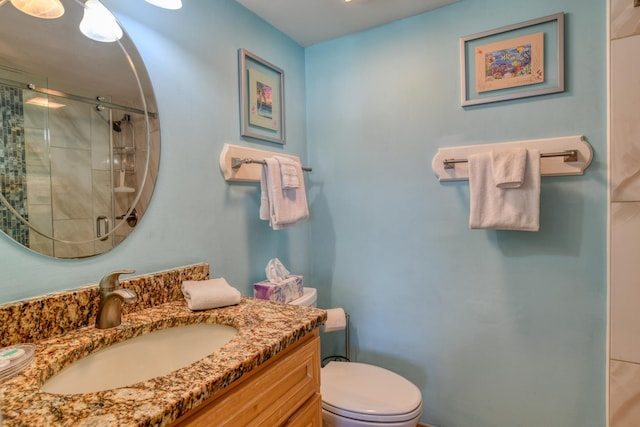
[(368, 393)]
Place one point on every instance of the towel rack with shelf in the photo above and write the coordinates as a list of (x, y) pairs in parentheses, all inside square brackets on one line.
[(243, 164), (563, 156)]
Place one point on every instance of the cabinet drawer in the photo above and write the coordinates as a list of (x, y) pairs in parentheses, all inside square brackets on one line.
[(267, 396)]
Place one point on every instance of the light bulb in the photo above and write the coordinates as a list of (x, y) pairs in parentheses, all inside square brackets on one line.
[(166, 4), (47, 9), (98, 23)]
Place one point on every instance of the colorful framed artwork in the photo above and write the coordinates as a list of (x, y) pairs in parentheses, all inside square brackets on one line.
[(261, 98), (516, 61)]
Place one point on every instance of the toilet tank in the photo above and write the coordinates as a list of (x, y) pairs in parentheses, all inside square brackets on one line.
[(308, 298)]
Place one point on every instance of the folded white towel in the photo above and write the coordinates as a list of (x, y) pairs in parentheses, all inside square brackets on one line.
[(509, 167), (504, 208), (283, 207), (212, 293), (289, 172)]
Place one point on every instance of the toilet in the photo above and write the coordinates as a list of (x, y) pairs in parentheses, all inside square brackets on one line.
[(362, 395)]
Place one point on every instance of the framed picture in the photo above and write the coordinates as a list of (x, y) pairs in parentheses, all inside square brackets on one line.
[(516, 61), (261, 98)]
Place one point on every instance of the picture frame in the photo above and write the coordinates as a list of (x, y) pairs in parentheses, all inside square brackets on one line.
[(516, 61), (261, 98)]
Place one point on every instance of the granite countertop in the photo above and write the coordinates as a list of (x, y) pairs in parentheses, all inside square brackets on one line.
[(264, 329)]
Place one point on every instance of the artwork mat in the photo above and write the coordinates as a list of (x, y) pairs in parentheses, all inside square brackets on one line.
[(253, 69), (553, 28), (256, 78)]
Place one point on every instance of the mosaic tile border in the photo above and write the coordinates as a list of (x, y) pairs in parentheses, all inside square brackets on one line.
[(13, 164)]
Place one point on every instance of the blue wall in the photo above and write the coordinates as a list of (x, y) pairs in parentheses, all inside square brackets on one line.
[(498, 328), (194, 216)]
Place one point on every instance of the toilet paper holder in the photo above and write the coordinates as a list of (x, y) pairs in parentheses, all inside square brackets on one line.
[(347, 346)]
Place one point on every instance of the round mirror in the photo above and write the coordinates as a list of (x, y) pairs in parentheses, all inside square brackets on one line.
[(79, 134)]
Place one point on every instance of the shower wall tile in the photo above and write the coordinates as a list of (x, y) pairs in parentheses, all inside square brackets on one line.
[(100, 140), (36, 150), (41, 218), (625, 19), (625, 120), (39, 190), (42, 245), (71, 183), (102, 192), (70, 126), (624, 401), (102, 206), (625, 281), (38, 168), (34, 115), (73, 230)]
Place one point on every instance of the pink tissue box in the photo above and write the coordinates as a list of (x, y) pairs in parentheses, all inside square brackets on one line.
[(283, 292)]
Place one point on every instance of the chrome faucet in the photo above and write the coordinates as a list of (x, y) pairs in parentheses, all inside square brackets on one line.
[(111, 299)]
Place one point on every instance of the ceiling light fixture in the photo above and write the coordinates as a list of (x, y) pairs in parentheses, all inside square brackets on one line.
[(99, 24), (166, 4), (46, 9)]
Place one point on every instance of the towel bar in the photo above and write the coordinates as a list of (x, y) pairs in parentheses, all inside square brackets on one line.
[(236, 162), (232, 157), (563, 156), (569, 156)]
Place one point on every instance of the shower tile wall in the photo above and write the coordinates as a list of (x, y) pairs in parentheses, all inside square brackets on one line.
[(13, 163), (76, 199), (135, 175), (101, 175), (69, 176), (624, 375), (38, 175)]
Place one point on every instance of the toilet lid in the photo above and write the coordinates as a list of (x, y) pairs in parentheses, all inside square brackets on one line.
[(368, 393)]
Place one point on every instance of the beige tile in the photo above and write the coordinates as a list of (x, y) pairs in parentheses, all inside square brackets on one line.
[(625, 128), (78, 230), (625, 394), (625, 19), (71, 183), (625, 281)]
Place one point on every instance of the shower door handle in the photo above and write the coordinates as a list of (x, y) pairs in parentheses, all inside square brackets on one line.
[(99, 221)]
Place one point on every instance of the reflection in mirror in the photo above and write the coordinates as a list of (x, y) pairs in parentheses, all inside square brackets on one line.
[(79, 136)]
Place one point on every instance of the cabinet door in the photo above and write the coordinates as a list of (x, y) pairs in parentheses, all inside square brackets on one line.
[(310, 415), (269, 395)]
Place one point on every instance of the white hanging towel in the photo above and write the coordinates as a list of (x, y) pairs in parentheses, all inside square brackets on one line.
[(282, 207), (289, 172), (504, 208), (509, 167)]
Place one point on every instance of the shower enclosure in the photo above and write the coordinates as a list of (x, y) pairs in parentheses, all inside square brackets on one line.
[(69, 169)]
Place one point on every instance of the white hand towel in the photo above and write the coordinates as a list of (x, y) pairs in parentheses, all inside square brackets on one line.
[(509, 167), (289, 172), (212, 293), (265, 208), (283, 207), (504, 208)]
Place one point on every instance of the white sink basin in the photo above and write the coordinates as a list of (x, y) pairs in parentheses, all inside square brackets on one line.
[(140, 358)]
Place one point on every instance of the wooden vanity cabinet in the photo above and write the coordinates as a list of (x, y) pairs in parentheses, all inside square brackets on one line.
[(284, 391)]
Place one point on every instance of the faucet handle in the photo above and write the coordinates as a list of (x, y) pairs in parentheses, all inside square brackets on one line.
[(110, 281)]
